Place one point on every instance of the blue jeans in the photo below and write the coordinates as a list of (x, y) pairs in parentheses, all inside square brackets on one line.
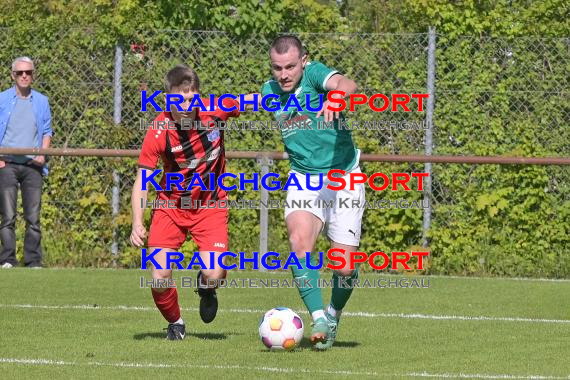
[(29, 178)]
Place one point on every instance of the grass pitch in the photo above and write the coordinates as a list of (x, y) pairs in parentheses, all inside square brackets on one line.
[(64, 323)]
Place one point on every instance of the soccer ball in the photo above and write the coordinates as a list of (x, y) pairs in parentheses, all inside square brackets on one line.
[(281, 329)]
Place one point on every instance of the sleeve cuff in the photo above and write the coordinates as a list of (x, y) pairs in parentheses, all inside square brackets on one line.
[(329, 77)]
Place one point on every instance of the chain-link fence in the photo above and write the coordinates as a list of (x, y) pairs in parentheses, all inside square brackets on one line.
[(493, 96)]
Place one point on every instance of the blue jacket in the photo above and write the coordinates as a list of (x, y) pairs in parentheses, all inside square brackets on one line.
[(41, 109)]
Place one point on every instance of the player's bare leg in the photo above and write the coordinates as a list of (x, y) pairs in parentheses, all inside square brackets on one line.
[(166, 299), (304, 228), (207, 292), (346, 271)]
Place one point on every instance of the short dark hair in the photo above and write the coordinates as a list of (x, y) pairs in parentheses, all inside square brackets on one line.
[(282, 44), (183, 77)]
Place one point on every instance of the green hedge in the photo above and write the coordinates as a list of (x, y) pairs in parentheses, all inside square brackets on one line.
[(494, 96)]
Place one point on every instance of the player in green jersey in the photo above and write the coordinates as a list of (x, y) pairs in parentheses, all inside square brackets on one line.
[(315, 150)]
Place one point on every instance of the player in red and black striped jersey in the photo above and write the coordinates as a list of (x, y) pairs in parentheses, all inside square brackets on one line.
[(185, 150), (189, 150)]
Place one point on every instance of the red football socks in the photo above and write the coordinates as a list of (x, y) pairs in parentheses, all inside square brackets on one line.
[(167, 303)]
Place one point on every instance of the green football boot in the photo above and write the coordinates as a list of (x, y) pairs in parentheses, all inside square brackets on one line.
[(331, 337), (320, 331)]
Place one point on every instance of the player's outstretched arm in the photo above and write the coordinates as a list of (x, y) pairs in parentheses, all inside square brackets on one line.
[(138, 197), (339, 83)]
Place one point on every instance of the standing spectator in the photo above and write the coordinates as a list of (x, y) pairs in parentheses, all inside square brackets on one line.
[(25, 122)]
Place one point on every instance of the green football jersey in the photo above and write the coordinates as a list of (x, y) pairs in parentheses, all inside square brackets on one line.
[(313, 146)]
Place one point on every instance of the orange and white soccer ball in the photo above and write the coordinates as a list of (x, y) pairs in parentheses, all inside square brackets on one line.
[(281, 329)]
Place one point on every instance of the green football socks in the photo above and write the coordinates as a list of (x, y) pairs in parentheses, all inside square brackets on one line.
[(342, 289), (308, 286)]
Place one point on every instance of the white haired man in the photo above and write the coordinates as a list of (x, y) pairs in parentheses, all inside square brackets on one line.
[(25, 122)]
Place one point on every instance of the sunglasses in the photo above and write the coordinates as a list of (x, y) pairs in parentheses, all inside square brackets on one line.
[(19, 73)]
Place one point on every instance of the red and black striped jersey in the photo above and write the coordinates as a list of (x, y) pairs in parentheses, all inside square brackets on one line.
[(189, 150)]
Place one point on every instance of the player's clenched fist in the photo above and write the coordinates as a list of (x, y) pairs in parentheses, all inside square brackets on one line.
[(138, 235)]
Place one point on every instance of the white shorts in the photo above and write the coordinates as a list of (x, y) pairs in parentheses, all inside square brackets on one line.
[(344, 219)]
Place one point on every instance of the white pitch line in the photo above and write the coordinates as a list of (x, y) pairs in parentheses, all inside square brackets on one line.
[(455, 317), (277, 369), (201, 366), (360, 314), (35, 361), (482, 376), (521, 279)]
